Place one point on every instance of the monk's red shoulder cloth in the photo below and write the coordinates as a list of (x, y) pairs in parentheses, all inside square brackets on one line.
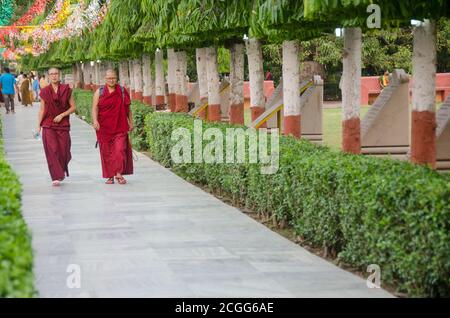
[(113, 111), (56, 103)]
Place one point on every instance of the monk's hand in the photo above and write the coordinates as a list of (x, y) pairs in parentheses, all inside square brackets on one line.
[(58, 118), (96, 125)]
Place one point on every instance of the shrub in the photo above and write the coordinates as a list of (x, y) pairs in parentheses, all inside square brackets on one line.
[(16, 259), (366, 210)]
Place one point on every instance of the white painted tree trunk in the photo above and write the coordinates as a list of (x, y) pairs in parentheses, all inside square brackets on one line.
[(80, 75), (102, 72), (97, 73), (172, 78), (85, 75), (351, 90), (124, 74), (88, 69), (291, 88), (171, 71), (424, 68), (202, 73), (148, 80), (236, 112), (291, 78), (181, 98), (159, 78), (423, 121), (131, 72), (109, 66), (137, 72), (75, 75), (256, 75), (213, 84), (181, 73), (351, 75)]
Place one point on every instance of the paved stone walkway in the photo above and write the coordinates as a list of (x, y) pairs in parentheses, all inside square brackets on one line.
[(158, 236)]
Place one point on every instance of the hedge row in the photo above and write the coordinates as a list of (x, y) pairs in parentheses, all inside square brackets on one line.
[(83, 101), (16, 258), (366, 210)]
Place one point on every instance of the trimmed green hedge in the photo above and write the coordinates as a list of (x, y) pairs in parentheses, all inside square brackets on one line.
[(83, 100), (16, 258), (365, 210)]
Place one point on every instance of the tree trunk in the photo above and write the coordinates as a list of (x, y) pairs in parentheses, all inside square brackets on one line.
[(96, 76), (291, 89), (256, 75), (87, 75), (109, 66), (159, 79), (237, 84), (423, 134), (181, 102), (75, 75), (351, 91), (124, 74), (132, 86), (214, 113), (172, 79), (80, 83), (137, 70), (148, 81), (202, 76)]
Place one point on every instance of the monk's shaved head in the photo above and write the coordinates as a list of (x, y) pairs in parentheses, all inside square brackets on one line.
[(111, 78)]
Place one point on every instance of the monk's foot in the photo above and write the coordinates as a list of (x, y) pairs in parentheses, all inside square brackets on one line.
[(110, 181), (121, 180), (56, 183)]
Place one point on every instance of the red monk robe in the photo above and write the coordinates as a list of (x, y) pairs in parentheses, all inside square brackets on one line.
[(115, 147), (56, 136)]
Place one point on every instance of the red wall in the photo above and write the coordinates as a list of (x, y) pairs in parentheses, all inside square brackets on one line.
[(370, 87)]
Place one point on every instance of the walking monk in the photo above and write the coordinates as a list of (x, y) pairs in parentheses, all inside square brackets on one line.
[(57, 104), (112, 119)]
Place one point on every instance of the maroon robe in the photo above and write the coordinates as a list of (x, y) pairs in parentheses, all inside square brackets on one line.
[(115, 147), (56, 136)]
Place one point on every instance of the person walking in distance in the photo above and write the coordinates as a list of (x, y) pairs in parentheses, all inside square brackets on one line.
[(8, 83)]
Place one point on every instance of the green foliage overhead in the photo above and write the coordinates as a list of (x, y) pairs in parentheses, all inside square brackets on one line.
[(133, 27), (342, 13), (279, 20)]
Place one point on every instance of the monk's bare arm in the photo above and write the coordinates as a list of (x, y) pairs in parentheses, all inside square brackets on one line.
[(95, 110), (130, 119), (72, 108), (40, 116)]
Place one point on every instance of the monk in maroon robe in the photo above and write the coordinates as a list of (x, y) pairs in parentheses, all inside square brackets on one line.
[(112, 119), (57, 104)]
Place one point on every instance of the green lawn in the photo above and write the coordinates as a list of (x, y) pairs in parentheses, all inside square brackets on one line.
[(332, 126)]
